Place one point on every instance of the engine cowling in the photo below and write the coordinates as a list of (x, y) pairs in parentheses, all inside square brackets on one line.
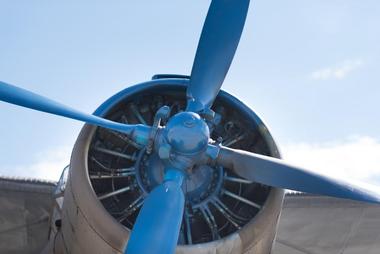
[(110, 176)]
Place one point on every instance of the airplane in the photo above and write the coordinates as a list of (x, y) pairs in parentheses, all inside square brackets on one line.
[(176, 165)]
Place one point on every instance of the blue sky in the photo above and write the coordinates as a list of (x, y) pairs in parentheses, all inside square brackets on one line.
[(310, 69)]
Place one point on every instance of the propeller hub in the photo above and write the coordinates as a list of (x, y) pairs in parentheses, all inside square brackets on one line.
[(187, 133), (201, 182)]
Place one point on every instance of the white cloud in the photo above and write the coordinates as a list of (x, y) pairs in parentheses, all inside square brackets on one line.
[(354, 159), (340, 71), (47, 165)]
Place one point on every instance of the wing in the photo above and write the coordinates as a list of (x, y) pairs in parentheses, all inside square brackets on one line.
[(316, 224), (24, 215)]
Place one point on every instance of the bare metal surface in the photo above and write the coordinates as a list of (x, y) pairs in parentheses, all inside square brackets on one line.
[(237, 179), (228, 193), (322, 225), (25, 205), (116, 192)]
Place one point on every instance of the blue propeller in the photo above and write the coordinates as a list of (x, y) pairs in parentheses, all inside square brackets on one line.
[(24, 98), (159, 221), (216, 49), (277, 173)]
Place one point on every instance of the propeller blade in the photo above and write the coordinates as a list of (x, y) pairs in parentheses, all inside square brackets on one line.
[(274, 172), (158, 224), (216, 48), (25, 98)]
